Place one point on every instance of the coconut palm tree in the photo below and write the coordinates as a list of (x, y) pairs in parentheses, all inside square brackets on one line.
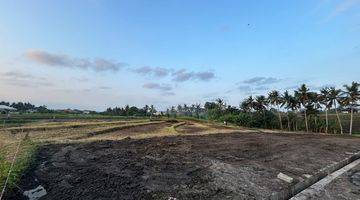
[(248, 104), (286, 101), (276, 100), (260, 105), (302, 95), (314, 106), (324, 100), (295, 107), (220, 104), (351, 99), (197, 110), (152, 110), (335, 97)]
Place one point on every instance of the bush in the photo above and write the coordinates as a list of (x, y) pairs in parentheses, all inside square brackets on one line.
[(255, 120)]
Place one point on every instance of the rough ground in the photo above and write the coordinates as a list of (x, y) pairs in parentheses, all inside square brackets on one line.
[(216, 166), (346, 187)]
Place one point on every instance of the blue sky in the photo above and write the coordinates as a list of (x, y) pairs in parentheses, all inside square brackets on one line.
[(94, 54)]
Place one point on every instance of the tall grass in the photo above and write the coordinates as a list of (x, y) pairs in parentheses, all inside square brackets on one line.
[(23, 160)]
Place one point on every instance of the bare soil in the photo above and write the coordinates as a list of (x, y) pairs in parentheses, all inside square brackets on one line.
[(217, 166), (346, 187), (190, 127)]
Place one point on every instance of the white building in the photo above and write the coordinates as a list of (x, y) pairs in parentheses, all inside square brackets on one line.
[(6, 108)]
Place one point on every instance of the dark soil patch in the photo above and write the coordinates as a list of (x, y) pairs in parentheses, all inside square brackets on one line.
[(221, 166)]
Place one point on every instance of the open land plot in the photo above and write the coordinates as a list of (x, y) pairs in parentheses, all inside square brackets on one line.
[(29, 139), (207, 166)]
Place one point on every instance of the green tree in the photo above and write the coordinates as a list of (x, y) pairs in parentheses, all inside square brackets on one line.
[(335, 97), (220, 105), (287, 103), (275, 99), (152, 110), (352, 96), (260, 106), (327, 103), (248, 104), (197, 110), (302, 94)]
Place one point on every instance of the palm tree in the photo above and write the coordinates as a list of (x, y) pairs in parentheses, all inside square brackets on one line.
[(295, 107), (351, 99), (220, 105), (197, 110), (324, 100), (334, 96), (179, 109), (173, 111), (146, 110), (275, 99), (286, 101), (314, 106), (302, 95), (248, 104), (260, 105), (152, 111)]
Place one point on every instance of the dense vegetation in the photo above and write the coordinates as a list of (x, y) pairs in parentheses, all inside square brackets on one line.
[(25, 107), (301, 110), (131, 111)]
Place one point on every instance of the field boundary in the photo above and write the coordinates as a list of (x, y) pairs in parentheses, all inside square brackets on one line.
[(55, 127), (319, 186), (322, 173), (117, 128)]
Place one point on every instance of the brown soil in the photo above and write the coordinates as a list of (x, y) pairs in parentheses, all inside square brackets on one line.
[(218, 166), (136, 130), (190, 127)]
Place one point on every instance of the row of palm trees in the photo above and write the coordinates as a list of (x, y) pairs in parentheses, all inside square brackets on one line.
[(305, 100)]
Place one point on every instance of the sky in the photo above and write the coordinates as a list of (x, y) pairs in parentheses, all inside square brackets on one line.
[(94, 54)]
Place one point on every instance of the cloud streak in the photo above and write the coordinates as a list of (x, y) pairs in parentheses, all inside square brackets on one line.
[(152, 71), (258, 81), (21, 79), (342, 7), (62, 60), (156, 86), (182, 75)]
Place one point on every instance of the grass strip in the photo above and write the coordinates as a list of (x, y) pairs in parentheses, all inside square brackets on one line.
[(24, 159)]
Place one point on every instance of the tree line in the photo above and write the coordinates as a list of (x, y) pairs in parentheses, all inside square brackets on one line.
[(25, 106), (131, 111), (299, 110)]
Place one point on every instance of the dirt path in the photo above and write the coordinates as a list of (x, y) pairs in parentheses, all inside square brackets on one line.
[(218, 166)]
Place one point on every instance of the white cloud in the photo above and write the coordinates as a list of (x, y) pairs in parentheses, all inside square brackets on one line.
[(62, 60)]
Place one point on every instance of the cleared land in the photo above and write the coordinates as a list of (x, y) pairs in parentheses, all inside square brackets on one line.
[(182, 160)]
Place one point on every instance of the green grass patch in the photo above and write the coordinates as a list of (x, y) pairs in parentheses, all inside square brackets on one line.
[(24, 159)]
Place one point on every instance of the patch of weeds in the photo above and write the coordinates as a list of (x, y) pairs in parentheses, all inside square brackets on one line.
[(4, 168), (24, 159)]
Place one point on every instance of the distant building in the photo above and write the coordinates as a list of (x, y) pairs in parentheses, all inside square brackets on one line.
[(158, 113), (4, 108), (87, 112)]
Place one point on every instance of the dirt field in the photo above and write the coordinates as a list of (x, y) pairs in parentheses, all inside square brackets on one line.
[(214, 166)]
